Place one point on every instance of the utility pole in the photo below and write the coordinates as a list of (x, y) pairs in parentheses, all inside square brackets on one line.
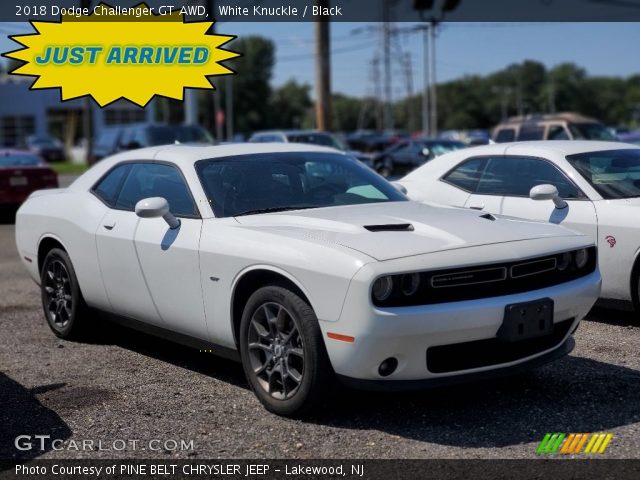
[(432, 80), (228, 104), (386, 49), (87, 114), (430, 44), (323, 71), (425, 92), (408, 75)]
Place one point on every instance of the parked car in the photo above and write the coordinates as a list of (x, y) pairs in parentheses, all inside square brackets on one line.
[(22, 173), (631, 137), (368, 141), (305, 265), (561, 126), (590, 187), (129, 137), (310, 137), (46, 147), (406, 156)]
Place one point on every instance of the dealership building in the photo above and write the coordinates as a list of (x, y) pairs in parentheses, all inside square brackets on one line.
[(25, 112)]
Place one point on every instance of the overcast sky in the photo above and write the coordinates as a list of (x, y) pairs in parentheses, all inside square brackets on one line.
[(462, 49)]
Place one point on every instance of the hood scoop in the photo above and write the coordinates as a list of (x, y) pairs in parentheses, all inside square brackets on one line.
[(391, 227), (488, 216)]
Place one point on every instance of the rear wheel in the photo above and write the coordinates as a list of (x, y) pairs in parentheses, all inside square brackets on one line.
[(283, 354), (64, 307)]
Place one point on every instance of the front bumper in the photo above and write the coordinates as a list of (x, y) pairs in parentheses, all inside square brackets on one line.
[(442, 381), (406, 333)]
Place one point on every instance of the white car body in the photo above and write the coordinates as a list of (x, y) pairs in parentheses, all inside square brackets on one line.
[(185, 280), (612, 224)]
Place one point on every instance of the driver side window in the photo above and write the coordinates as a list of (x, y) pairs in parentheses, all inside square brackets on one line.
[(156, 180), (516, 176)]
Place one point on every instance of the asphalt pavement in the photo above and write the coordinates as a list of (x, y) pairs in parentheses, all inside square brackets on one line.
[(167, 401)]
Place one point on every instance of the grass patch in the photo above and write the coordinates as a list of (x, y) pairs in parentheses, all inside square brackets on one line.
[(69, 168)]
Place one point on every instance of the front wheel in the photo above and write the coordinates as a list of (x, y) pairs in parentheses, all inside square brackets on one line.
[(64, 307), (282, 351)]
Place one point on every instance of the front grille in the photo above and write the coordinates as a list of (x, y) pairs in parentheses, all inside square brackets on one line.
[(482, 353), (469, 277), (486, 281)]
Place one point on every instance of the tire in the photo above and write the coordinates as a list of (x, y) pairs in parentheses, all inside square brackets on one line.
[(634, 283), (283, 353), (64, 308)]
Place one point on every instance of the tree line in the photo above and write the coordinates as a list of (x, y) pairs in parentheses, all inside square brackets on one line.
[(474, 101)]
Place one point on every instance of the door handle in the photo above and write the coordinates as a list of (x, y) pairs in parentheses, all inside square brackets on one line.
[(477, 206), (109, 226)]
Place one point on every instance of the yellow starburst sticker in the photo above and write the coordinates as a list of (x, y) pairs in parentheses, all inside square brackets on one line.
[(120, 58)]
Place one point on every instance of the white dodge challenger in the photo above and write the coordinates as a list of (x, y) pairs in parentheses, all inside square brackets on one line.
[(590, 187), (307, 266)]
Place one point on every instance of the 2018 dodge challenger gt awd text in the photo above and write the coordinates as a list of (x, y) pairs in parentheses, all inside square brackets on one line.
[(307, 266)]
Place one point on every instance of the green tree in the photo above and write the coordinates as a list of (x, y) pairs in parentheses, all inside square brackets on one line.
[(251, 84), (290, 105)]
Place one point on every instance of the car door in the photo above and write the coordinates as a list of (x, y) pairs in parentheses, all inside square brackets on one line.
[(514, 176), (168, 258), (122, 276), (490, 187)]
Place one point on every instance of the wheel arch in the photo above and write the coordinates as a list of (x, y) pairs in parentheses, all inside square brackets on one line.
[(46, 243), (252, 279), (634, 279)]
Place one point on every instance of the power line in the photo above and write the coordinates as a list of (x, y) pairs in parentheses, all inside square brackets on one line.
[(336, 51)]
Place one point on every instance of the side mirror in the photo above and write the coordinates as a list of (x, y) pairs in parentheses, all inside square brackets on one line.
[(547, 192), (155, 207), (426, 152), (400, 187)]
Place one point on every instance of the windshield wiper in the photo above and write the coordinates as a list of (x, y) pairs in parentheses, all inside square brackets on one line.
[(270, 210)]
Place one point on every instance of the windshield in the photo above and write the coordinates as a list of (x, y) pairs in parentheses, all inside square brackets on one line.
[(613, 174), (260, 183), (182, 134), (19, 160), (590, 131), (440, 148)]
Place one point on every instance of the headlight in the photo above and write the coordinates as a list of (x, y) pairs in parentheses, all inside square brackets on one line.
[(382, 288), (410, 283), (564, 261), (581, 258)]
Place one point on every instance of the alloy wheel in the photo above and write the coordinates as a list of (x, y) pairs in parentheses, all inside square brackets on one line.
[(276, 350), (58, 297)]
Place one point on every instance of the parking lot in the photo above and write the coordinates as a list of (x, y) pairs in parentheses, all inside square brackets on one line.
[(130, 386)]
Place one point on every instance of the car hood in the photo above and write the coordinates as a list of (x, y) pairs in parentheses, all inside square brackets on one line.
[(386, 231)]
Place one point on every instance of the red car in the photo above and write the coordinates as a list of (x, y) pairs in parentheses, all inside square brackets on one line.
[(22, 173)]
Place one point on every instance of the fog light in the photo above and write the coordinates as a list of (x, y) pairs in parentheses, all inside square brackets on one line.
[(581, 258), (388, 366), (382, 288)]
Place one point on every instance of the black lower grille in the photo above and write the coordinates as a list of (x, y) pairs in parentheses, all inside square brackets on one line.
[(482, 353)]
